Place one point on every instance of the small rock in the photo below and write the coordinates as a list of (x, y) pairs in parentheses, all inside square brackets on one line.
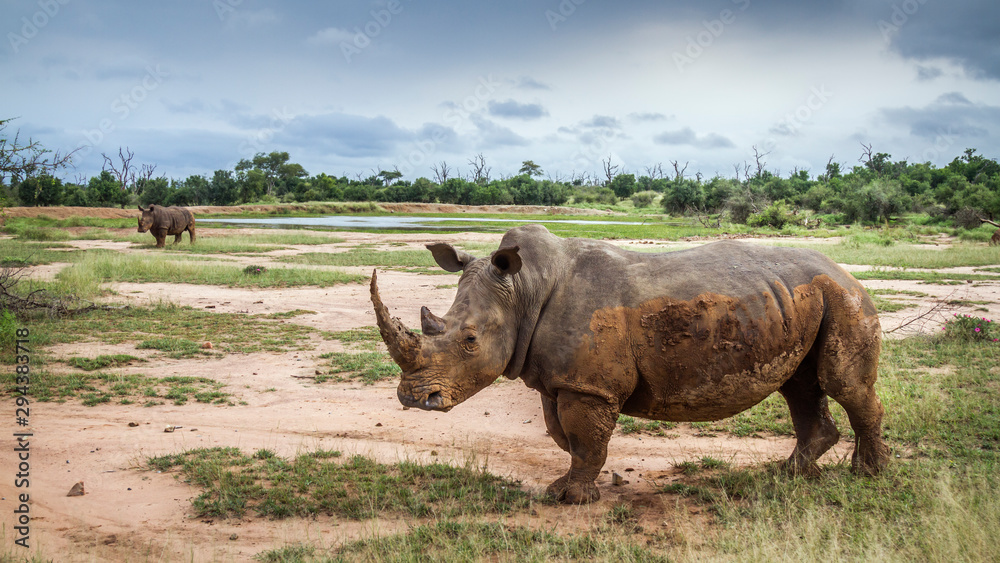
[(617, 480), (133, 424), (233, 537), (378, 424), (487, 413), (76, 490), (406, 408), (434, 453), (526, 421), (170, 429), (207, 346), (194, 430)]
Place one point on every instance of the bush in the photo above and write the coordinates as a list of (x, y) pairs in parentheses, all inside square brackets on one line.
[(968, 218), (967, 328), (643, 199), (776, 215)]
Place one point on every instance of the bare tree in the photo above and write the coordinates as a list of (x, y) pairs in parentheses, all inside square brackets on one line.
[(19, 161), (441, 172), (609, 170), (123, 171), (655, 171), (678, 171), (759, 159), (480, 172), (866, 155)]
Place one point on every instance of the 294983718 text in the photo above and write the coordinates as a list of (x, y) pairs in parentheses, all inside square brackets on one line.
[(23, 435)]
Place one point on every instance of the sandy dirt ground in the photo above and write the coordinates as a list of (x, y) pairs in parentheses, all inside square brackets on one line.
[(130, 513)]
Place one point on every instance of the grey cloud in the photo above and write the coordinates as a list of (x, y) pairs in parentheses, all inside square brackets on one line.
[(951, 114), (965, 32), (928, 72), (528, 83), (516, 110), (494, 135), (649, 116), (603, 121), (687, 136), (344, 135)]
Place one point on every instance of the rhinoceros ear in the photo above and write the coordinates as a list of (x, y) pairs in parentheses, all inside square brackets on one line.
[(450, 258), (140, 208), (507, 260)]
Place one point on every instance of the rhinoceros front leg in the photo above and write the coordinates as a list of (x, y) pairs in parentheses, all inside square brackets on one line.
[(582, 425)]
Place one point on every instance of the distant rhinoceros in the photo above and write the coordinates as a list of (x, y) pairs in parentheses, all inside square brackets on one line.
[(692, 335), (162, 221)]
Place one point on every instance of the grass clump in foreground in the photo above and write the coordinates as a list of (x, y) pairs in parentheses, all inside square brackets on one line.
[(368, 366), (105, 387), (102, 268), (177, 331), (320, 482)]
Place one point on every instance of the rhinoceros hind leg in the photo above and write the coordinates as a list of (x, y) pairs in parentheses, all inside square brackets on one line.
[(848, 367), (177, 238), (815, 431), (583, 425)]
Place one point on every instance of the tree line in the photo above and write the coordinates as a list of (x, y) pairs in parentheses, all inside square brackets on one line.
[(874, 190)]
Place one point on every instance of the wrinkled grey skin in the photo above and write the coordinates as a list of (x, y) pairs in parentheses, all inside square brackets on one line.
[(693, 335), (162, 221)]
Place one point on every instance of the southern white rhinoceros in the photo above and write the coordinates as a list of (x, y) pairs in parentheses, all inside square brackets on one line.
[(692, 335), (162, 221)]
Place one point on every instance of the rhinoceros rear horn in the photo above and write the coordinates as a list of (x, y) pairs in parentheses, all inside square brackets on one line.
[(403, 343)]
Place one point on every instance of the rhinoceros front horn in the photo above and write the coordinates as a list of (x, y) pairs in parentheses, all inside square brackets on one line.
[(403, 343)]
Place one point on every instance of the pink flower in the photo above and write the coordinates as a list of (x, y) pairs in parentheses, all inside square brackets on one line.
[(977, 329)]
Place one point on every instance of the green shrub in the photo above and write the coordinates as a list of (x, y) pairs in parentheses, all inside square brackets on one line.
[(776, 215), (967, 328), (643, 199)]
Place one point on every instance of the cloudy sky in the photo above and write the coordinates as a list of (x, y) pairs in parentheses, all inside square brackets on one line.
[(350, 87)]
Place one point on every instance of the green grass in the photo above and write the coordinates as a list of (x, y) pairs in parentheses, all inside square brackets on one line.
[(95, 388), (177, 330), (366, 257), (17, 254), (369, 367), (102, 361), (929, 277), (632, 425), (908, 255), (236, 484), (363, 338), (89, 272)]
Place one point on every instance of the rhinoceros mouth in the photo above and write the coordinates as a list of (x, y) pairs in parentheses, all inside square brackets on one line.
[(434, 401)]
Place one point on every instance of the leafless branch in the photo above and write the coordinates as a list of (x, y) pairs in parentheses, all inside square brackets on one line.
[(609, 170)]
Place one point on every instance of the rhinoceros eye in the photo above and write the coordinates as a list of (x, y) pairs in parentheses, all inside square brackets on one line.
[(470, 339)]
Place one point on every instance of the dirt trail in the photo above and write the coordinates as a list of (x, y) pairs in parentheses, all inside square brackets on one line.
[(133, 514)]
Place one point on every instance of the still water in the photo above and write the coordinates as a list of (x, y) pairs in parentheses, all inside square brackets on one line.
[(392, 222)]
